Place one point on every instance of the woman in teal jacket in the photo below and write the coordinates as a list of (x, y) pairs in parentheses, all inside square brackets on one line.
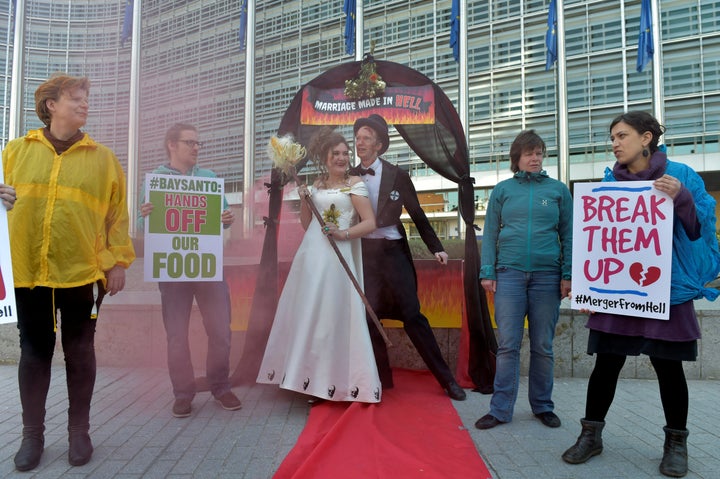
[(527, 243)]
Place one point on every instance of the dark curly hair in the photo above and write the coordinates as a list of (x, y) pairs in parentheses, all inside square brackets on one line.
[(321, 144), (641, 122)]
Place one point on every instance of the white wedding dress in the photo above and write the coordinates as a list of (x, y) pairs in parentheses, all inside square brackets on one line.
[(319, 343)]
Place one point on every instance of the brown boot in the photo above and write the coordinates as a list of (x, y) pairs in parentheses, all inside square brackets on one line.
[(675, 458), (81, 449), (31, 448), (588, 444)]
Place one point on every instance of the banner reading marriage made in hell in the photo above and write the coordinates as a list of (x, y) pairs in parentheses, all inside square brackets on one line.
[(183, 234), (402, 105), (622, 242)]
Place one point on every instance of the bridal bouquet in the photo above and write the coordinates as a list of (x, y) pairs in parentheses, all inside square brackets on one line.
[(285, 152)]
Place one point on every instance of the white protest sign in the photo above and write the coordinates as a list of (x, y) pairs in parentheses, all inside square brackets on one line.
[(183, 234), (622, 249), (7, 287)]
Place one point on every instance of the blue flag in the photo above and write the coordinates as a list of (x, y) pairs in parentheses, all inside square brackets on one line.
[(349, 10), (645, 40), (455, 29), (551, 36), (127, 26), (242, 32)]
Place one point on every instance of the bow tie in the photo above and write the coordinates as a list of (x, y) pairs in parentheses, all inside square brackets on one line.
[(365, 171)]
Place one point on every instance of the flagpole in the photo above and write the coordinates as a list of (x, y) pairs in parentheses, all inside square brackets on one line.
[(463, 87), (623, 45), (249, 124), (463, 68), (16, 85), (134, 117), (657, 80), (562, 102), (359, 27)]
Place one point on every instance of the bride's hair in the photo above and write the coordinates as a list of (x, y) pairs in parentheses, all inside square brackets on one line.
[(320, 146)]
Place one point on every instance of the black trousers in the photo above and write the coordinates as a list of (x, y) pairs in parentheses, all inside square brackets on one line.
[(391, 290), (37, 321)]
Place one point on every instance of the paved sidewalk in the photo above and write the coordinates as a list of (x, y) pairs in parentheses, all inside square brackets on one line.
[(135, 435)]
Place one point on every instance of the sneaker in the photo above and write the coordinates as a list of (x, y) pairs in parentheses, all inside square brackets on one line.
[(229, 401), (182, 407), (549, 418)]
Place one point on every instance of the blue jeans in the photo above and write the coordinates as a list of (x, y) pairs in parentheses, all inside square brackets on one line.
[(213, 299), (536, 295)]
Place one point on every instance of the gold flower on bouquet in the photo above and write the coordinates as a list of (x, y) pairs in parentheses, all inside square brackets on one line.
[(331, 215)]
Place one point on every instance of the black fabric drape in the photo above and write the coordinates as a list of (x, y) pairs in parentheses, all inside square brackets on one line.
[(264, 302), (443, 147)]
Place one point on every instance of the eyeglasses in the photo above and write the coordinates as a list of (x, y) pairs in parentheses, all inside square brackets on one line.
[(192, 143)]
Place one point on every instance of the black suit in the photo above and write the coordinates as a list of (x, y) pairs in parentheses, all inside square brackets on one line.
[(390, 279)]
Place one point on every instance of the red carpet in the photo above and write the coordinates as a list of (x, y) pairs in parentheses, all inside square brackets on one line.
[(414, 432)]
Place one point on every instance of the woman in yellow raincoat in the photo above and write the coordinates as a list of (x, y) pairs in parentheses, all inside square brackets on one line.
[(70, 246)]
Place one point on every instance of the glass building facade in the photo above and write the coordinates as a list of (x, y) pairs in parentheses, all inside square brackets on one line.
[(193, 70)]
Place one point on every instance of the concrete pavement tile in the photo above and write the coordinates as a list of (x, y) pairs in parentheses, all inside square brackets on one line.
[(107, 469), (208, 469), (189, 460), (142, 461), (160, 469), (260, 467)]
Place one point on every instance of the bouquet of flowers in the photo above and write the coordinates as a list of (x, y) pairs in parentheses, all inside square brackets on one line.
[(368, 84), (331, 215), (285, 153)]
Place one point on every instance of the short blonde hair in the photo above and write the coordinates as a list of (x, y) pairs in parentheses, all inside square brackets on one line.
[(52, 89)]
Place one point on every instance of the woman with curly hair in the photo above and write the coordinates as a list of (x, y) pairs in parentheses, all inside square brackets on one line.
[(319, 343)]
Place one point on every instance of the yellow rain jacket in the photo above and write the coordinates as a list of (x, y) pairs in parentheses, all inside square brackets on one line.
[(70, 221)]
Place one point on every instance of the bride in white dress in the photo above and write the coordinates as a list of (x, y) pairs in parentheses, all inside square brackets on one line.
[(319, 343)]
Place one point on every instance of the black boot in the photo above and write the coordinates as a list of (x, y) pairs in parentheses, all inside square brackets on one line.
[(588, 444), (675, 458), (31, 448), (80, 368), (81, 448)]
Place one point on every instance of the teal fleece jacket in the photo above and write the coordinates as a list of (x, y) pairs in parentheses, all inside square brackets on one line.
[(528, 226)]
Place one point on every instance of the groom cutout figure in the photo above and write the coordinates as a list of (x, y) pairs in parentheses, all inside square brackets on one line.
[(389, 274)]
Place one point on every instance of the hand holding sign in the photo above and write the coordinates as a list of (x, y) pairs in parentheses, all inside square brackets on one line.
[(668, 185)]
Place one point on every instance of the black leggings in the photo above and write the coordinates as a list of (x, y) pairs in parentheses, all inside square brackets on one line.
[(671, 378), (37, 309)]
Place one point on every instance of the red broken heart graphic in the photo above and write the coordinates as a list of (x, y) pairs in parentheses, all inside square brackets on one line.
[(644, 277)]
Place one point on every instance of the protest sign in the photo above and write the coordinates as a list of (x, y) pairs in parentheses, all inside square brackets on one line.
[(622, 249), (7, 288), (183, 234)]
